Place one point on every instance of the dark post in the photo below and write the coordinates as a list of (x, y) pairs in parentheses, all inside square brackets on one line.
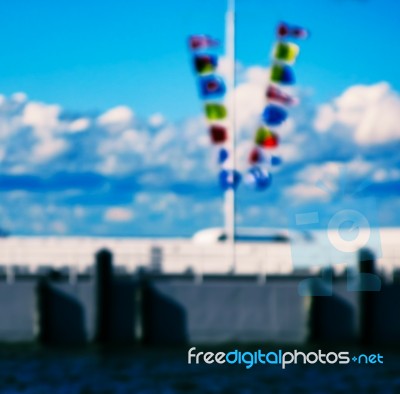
[(103, 295), (396, 276), (367, 270), (42, 310), (318, 288)]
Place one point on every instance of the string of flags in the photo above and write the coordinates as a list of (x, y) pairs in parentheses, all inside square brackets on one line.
[(212, 90), (275, 113)]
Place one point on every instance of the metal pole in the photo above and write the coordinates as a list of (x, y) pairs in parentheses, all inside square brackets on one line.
[(230, 193)]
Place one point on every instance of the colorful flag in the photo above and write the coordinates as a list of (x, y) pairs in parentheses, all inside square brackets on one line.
[(275, 160), (259, 178), (274, 115), (211, 86), (286, 52), (281, 73), (223, 155), (202, 41), (218, 134), (275, 94), (205, 64), (229, 179), (215, 111), (266, 138), (286, 30), (256, 156)]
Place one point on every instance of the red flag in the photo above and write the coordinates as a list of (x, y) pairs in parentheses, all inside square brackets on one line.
[(275, 94), (285, 30), (266, 138), (218, 134), (201, 42), (256, 156)]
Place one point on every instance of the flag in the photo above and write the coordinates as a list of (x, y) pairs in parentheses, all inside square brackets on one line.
[(215, 111), (275, 94), (256, 156), (211, 86), (229, 179), (223, 155), (275, 160), (259, 178), (281, 73), (218, 134), (202, 41), (286, 30), (266, 138), (286, 52), (274, 115), (205, 64)]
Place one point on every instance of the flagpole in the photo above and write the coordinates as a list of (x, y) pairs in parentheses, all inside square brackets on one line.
[(229, 203)]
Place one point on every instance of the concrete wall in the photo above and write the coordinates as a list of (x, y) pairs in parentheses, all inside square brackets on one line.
[(218, 310), (18, 311), (230, 311)]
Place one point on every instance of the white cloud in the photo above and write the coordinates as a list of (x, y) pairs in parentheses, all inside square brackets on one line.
[(305, 193), (46, 127), (18, 169), (59, 227), (33, 134), (164, 137), (327, 173), (108, 166), (116, 118), (48, 148), (369, 112), (165, 202), (325, 118), (127, 141), (19, 97), (142, 198), (79, 212), (79, 125), (225, 67), (250, 97), (358, 168), (118, 214), (42, 118), (386, 174), (157, 120), (319, 182)]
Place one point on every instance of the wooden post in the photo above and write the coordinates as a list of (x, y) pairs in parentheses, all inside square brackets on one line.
[(367, 268), (103, 296)]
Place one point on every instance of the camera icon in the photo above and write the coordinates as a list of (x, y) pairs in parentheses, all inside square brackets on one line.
[(335, 233)]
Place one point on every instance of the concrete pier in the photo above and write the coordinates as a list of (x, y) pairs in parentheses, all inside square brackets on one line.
[(152, 308)]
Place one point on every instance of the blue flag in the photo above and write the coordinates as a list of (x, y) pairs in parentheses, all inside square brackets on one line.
[(211, 86), (258, 178), (229, 179), (274, 115)]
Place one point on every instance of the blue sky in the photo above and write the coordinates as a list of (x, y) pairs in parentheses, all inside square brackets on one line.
[(93, 55), (81, 60)]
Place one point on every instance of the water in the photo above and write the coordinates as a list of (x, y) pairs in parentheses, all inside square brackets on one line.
[(31, 369)]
